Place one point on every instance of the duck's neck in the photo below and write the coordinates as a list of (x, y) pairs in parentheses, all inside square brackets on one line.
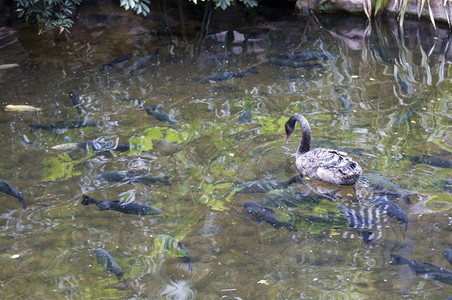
[(305, 143)]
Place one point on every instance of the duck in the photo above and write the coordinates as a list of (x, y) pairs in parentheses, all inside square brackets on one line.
[(322, 164)]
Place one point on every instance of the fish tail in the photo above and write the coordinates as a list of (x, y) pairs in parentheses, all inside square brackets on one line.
[(187, 260), (22, 200), (87, 200), (34, 127), (406, 224)]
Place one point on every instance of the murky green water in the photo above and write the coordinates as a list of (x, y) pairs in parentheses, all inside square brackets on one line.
[(227, 133)]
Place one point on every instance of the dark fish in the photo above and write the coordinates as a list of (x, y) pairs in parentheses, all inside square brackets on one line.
[(227, 75), (265, 185), (8, 189), (363, 219), (422, 268), (117, 61), (132, 177), (65, 124), (404, 84), (107, 261), (160, 115), (296, 199), (386, 187), (261, 213), (432, 161), (293, 63), (363, 216), (75, 98), (99, 145), (316, 213), (124, 207), (391, 209), (166, 243), (142, 62), (448, 255), (345, 100), (307, 55), (358, 219)]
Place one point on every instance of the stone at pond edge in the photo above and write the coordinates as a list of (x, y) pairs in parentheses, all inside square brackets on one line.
[(439, 10)]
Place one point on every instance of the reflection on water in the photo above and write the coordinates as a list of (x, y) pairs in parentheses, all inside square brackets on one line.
[(371, 90)]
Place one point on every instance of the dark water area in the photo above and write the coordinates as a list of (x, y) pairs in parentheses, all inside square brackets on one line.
[(380, 94)]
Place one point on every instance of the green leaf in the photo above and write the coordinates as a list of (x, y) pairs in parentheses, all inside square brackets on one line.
[(378, 4), (223, 4), (430, 12), (402, 12)]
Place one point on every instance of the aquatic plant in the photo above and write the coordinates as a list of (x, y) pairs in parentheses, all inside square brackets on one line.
[(401, 7)]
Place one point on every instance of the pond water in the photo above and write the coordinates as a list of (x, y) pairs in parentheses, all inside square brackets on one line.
[(382, 95)]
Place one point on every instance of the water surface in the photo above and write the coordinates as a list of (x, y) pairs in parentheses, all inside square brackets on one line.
[(383, 96)]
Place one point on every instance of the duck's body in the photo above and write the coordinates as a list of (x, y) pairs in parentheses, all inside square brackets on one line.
[(322, 164)]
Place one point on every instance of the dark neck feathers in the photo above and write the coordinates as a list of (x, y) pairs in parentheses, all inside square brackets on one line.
[(305, 143)]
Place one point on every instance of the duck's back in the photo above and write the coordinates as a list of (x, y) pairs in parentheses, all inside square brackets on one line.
[(329, 166)]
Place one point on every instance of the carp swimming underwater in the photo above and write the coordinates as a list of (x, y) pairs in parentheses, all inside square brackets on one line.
[(422, 268), (124, 207), (65, 124), (132, 177), (107, 261), (227, 75), (8, 189)]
